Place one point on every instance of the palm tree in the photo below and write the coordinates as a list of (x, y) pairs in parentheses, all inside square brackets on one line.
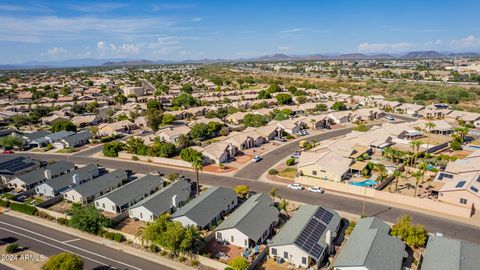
[(139, 234), (183, 141), (423, 166), (461, 132), (197, 165), (418, 175), (429, 126), (397, 175), (415, 145)]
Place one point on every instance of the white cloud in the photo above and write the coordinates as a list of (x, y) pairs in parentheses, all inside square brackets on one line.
[(384, 47), (96, 7), (299, 30), (468, 42), (126, 49), (284, 48), (197, 19), (56, 53), (164, 41), (101, 45), (171, 6)]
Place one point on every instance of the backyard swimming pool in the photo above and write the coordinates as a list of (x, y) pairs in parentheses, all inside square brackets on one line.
[(366, 183)]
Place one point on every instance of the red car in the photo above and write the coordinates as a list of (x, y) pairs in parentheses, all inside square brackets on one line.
[(8, 151)]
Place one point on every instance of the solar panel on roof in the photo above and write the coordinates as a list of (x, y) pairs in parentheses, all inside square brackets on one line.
[(460, 184), (478, 179), (474, 189), (327, 217), (316, 251)]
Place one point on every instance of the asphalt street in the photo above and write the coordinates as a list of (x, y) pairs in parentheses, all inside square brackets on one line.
[(47, 241), (340, 203)]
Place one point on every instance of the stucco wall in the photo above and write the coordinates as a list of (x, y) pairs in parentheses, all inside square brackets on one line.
[(159, 160)]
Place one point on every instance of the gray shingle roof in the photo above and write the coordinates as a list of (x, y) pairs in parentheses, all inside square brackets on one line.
[(450, 254), (78, 137), (161, 201), (205, 207), (59, 135), (296, 225), (36, 134), (134, 189), (372, 247), (101, 183), (253, 217), (63, 181), (39, 175)]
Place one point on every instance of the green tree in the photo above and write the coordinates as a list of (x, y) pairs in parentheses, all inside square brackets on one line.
[(274, 88), (63, 125), (274, 193), (321, 107), (418, 175), (154, 118), (414, 236), (189, 154), (184, 100), (339, 106), (361, 128), (167, 119), (263, 94), (10, 141), (88, 219), (187, 88), (254, 120), (63, 261), (183, 141), (136, 146), (292, 89), (283, 99), (283, 206), (162, 149), (241, 190), (111, 149), (120, 99), (239, 263), (199, 131)]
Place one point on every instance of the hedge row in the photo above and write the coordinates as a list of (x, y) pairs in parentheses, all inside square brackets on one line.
[(4, 203), (23, 208), (112, 236)]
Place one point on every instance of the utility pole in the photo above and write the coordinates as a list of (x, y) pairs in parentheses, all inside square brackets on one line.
[(364, 198)]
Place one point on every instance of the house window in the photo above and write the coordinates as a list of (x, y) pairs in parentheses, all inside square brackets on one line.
[(96, 203), (141, 215), (103, 205), (231, 238), (314, 172), (304, 260), (113, 208), (463, 201), (274, 251), (285, 255), (219, 235), (246, 242)]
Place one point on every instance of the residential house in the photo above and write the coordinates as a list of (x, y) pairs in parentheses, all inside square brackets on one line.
[(129, 194), (371, 247), (57, 136), (85, 120), (119, 127), (33, 178), (29, 137), (53, 119), (444, 253), (435, 111), (468, 117), (208, 208), (166, 200), (89, 191), (241, 140), (462, 189), (218, 152), (307, 238), (292, 126), (78, 139), (171, 134), (236, 118), (244, 228), (12, 166), (325, 164), (340, 117), (366, 114), (410, 109), (55, 186)]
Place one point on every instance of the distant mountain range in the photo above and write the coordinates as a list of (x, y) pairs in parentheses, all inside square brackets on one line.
[(88, 62)]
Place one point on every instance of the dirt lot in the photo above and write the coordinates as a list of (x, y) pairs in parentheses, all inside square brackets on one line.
[(61, 207), (129, 226), (24, 259)]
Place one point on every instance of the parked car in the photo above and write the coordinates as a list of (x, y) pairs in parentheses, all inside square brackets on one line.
[(388, 117), (296, 154), (256, 159), (157, 173), (8, 151), (416, 115), (316, 190), (280, 139), (295, 186)]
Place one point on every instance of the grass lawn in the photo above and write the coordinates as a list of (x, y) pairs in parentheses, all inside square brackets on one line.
[(288, 173), (33, 201), (66, 151)]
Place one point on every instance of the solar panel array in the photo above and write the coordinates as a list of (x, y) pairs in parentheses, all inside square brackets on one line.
[(16, 164), (311, 234)]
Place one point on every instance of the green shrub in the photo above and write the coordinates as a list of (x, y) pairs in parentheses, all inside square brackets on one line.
[(23, 208), (135, 158), (194, 262), (109, 235), (290, 161), (456, 145), (182, 259), (4, 203), (10, 196), (163, 253), (118, 237), (11, 248), (62, 221), (272, 171), (154, 248), (44, 215)]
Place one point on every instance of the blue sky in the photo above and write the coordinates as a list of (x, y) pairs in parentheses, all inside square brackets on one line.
[(178, 30)]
